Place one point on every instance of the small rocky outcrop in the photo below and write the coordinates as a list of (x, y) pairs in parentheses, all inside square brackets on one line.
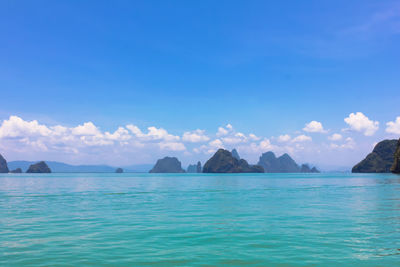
[(396, 161), (380, 159), (224, 162), (119, 170), (40, 167), (17, 170), (3, 165), (305, 168), (167, 165)]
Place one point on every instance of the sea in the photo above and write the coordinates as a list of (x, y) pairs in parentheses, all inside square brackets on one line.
[(93, 219)]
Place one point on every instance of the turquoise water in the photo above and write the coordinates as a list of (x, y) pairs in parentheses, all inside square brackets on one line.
[(200, 220)]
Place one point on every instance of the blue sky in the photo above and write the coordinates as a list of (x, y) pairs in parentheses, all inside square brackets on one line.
[(265, 68)]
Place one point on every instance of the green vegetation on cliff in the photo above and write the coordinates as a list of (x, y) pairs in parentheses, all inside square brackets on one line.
[(224, 162), (396, 161), (379, 160)]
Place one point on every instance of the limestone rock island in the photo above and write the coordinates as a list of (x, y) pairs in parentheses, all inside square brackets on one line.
[(17, 170), (224, 162), (167, 165), (396, 162), (40, 167), (380, 159), (3, 165)]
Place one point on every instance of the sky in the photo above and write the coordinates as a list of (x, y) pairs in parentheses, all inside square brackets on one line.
[(128, 82)]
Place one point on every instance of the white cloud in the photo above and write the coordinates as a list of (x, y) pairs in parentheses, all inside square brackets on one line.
[(301, 138), (224, 131), (266, 144), (284, 138), (88, 128), (254, 137), (349, 144), (217, 143), (361, 123), (314, 127), (393, 127), (16, 127), (172, 146), (153, 133), (195, 136), (335, 137)]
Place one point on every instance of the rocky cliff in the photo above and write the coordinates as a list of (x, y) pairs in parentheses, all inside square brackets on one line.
[(192, 168), (167, 165), (235, 154), (3, 165), (380, 159), (282, 164), (306, 169), (396, 161), (40, 167), (272, 164), (198, 167), (224, 162)]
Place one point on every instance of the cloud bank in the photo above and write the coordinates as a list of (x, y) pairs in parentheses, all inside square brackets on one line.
[(128, 144)]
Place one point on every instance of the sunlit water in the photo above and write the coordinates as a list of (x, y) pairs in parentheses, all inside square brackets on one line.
[(200, 220)]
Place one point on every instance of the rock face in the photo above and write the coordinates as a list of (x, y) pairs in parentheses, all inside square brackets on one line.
[(194, 168), (119, 170), (198, 167), (306, 168), (3, 165), (40, 167), (272, 164), (380, 159), (235, 154), (17, 170), (224, 162), (396, 163), (282, 164), (167, 165)]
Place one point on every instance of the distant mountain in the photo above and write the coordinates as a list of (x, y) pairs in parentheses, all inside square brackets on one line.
[(63, 167), (380, 159), (235, 154), (194, 168), (167, 165), (199, 169), (306, 169), (282, 164), (3, 165), (272, 164), (224, 162)]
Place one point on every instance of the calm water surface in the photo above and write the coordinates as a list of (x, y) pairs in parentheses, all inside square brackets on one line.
[(200, 220)]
